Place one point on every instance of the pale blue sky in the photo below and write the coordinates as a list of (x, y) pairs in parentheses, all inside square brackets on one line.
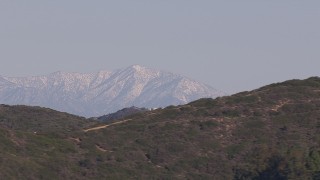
[(232, 45)]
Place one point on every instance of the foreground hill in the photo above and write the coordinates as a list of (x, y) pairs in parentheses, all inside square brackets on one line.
[(41, 120), (96, 94), (269, 133), (122, 114), (36, 143)]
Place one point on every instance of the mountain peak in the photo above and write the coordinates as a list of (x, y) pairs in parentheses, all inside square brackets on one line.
[(138, 68)]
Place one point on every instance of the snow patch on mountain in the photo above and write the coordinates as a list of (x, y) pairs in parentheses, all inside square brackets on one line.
[(95, 94)]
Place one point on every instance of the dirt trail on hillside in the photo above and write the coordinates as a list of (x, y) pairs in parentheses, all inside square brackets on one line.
[(77, 140), (100, 148), (105, 126), (280, 105)]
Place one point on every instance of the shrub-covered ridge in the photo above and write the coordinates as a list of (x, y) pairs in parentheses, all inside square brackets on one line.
[(268, 133)]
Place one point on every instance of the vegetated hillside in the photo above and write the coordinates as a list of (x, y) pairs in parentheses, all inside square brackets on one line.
[(122, 114), (269, 133), (41, 120), (37, 143)]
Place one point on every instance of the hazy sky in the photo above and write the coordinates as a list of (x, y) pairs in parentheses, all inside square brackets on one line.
[(232, 45)]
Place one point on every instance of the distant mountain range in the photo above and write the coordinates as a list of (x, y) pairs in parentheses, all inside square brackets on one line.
[(96, 94)]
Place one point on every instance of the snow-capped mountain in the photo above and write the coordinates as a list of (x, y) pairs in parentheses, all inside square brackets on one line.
[(95, 94)]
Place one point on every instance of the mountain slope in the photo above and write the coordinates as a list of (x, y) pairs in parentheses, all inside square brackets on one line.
[(38, 143), (269, 133), (123, 113), (95, 94), (41, 120)]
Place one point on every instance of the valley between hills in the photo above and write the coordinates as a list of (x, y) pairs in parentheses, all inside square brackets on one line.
[(269, 133)]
